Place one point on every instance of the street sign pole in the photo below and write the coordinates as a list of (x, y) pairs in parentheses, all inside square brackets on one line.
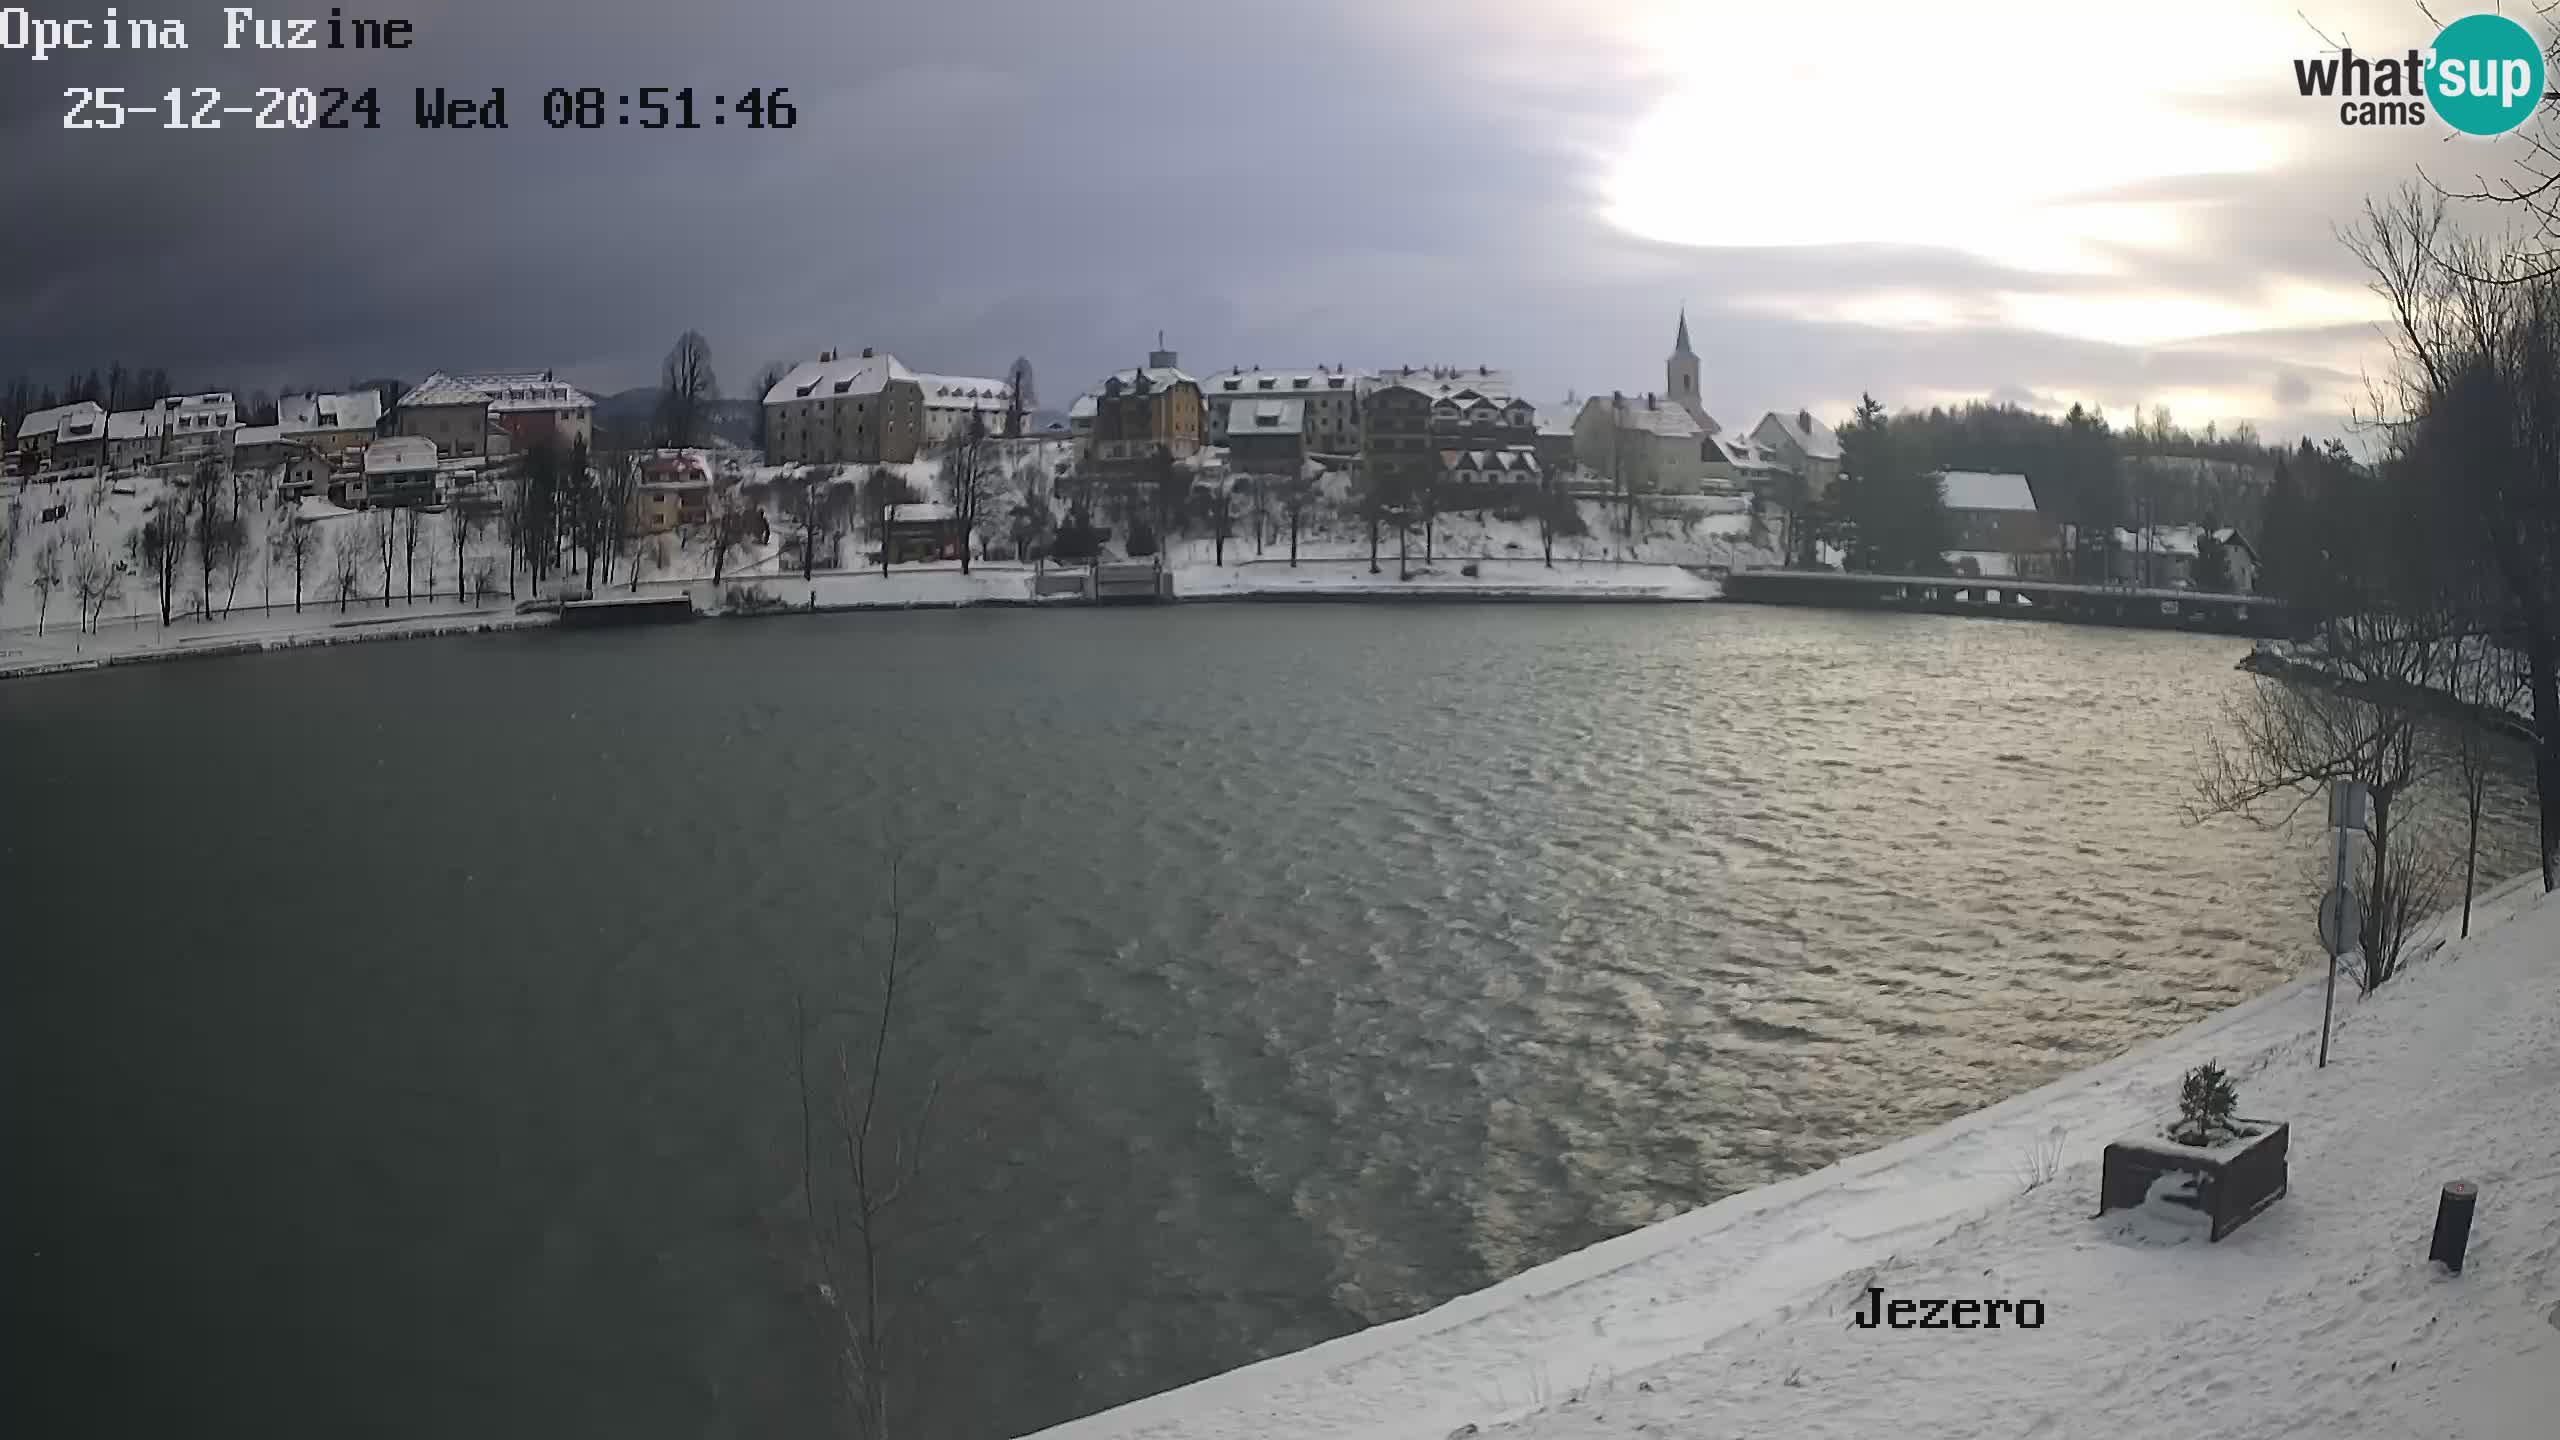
[(2346, 813)]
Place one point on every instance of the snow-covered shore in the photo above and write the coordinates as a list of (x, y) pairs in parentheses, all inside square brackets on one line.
[(2322, 1316), (62, 648)]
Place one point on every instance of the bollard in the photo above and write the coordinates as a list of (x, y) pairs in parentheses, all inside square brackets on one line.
[(2453, 1224)]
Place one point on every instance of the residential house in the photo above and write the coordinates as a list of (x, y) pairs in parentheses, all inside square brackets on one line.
[(1484, 432), (1264, 435), (331, 424), (1995, 513), (674, 492), (133, 438), (951, 402), (1396, 444), (1802, 444), (1137, 412), (2163, 557), (62, 437), (1738, 460), (920, 532), (446, 413), (398, 471), (534, 409), (1555, 434), (1649, 445), (197, 427), (1330, 409), (865, 410), (475, 414), (253, 447)]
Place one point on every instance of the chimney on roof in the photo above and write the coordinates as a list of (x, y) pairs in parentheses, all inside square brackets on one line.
[(1648, 400), (866, 352), (1804, 421), (1484, 370)]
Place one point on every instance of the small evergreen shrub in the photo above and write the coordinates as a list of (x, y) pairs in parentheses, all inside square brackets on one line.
[(2207, 1102)]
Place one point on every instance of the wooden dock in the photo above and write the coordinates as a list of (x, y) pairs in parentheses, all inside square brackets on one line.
[(2004, 597)]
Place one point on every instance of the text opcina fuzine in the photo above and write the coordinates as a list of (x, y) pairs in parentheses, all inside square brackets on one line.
[(1877, 1313), (243, 28)]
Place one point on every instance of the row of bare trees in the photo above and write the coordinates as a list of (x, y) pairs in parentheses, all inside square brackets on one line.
[(2428, 578)]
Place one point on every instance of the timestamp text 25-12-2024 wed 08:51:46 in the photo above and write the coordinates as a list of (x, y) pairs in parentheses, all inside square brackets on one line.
[(204, 107)]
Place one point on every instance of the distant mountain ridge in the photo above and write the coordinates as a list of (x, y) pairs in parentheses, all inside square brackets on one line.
[(625, 415)]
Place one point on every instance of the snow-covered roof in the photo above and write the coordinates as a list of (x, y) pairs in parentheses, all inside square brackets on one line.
[(311, 508), (1984, 490), (1558, 419), (1159, 377), (921, 512), (398, 454), (1660, 418), (1257, 381), (1809, 435), (86, 413), (133, 425), (503, 391), (1745, 454), (964, 392), (248, 435), (441, 389), (1447, 381), (360, 410), (1266, 416), (197, 404), (1518, 458), (843, 375)]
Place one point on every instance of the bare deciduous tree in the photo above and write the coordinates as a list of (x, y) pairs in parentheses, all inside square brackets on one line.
[(687, 388), (46, 576), (349, 548), (298, 542), (96, 582), (969, 471), (857, 1162)]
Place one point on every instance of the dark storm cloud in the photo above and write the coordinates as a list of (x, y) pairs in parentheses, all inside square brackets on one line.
[(1327, 181)]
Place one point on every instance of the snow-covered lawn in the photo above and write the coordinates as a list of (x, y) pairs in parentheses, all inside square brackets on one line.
[(2320, 1317)]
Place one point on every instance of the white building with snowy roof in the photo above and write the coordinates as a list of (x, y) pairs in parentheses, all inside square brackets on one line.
[(1647, 443), (133, 437), (952, 401), (1802, 444), (1330, 397), (193, 427), (864, 409), (331, 424), (73, 434), (494, 412)]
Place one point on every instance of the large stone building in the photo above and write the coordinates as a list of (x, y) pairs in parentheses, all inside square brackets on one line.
[(1137, 412), (1331, 408), (1646, 444), (835, 410), (951, 402), (1473, 427), (493, 412)]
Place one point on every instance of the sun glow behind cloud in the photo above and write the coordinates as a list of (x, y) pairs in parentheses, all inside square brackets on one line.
[(1991, 134)]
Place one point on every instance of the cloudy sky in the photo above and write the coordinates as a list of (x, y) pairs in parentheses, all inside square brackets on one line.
[(2006, 198)]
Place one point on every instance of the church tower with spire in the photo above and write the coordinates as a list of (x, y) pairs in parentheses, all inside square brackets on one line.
[(1680, 377)]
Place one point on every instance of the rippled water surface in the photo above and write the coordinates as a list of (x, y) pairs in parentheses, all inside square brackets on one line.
[(400, 1039)]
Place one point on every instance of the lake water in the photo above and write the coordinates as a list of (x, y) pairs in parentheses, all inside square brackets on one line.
[(400, 1038)]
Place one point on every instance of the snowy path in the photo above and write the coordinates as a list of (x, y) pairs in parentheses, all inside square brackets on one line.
[(1732, 1319)]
